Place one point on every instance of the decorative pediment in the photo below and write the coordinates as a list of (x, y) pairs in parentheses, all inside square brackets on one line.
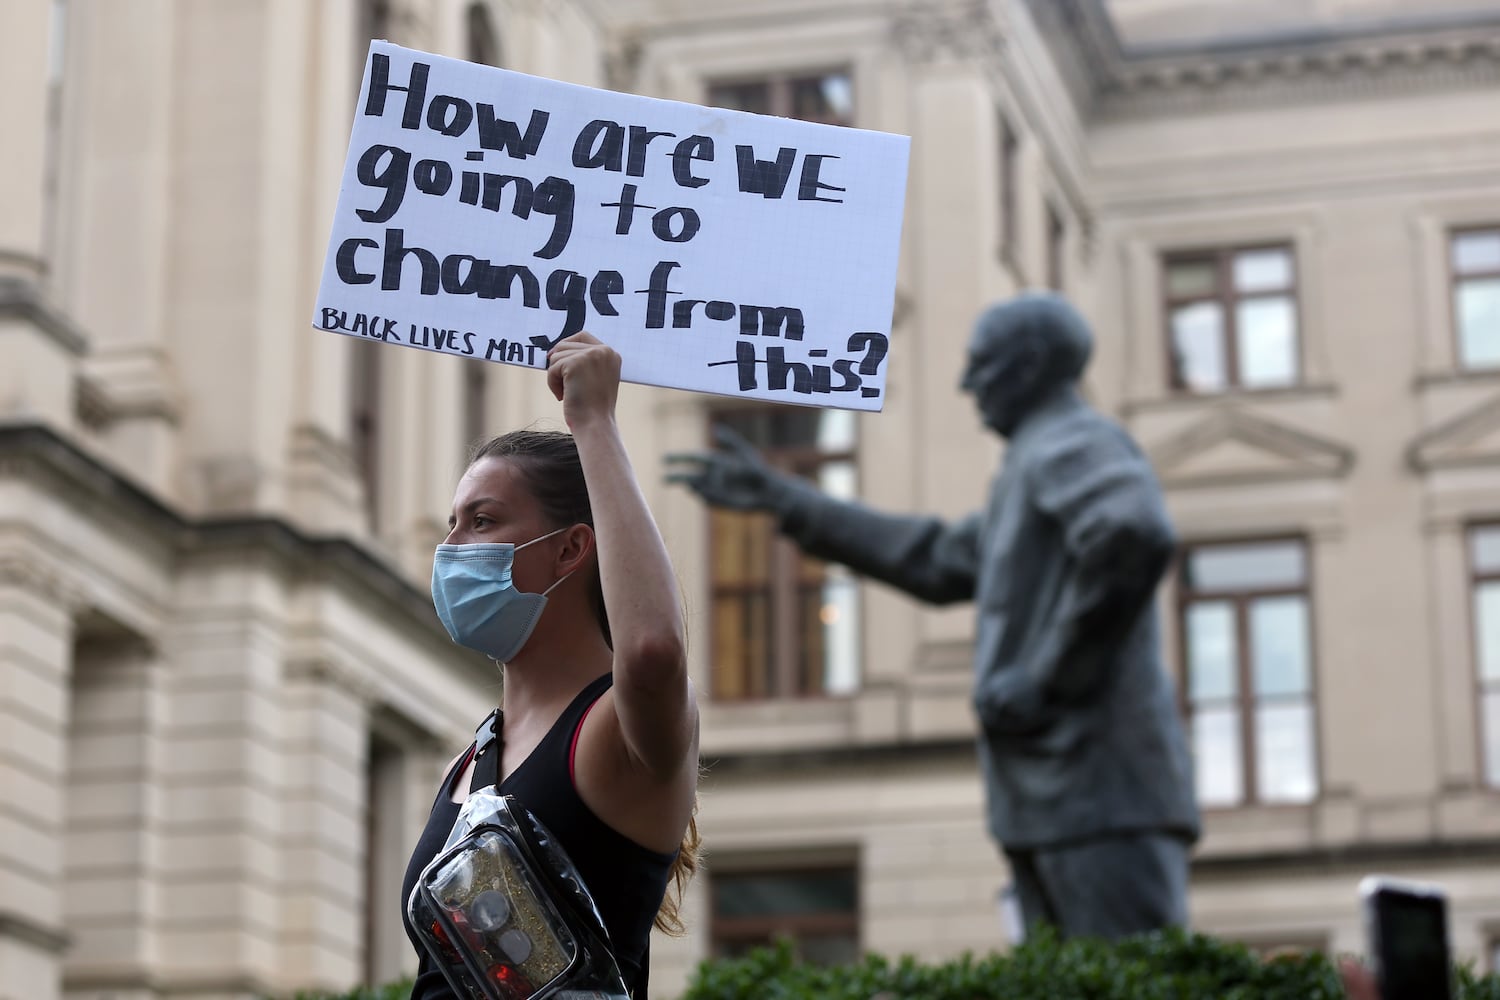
[(1472, 438), (1232, 446)]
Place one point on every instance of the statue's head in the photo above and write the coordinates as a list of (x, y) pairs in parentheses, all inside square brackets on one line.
[(1023, 350)]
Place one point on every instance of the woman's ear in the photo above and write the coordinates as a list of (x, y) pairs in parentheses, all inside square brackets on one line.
[(578, 545)]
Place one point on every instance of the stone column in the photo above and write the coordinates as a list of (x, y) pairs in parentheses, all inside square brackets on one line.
[(115, 788), (324, 870), (223, 826), (323, 484), (118, 211), (36, 650)]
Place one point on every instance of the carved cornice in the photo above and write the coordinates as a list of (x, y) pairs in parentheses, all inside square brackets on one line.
[(40, 453), (1109, 79), (341, 676), (928, 30)]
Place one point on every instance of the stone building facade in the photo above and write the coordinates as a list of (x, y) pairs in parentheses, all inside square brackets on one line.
[(224, 698)]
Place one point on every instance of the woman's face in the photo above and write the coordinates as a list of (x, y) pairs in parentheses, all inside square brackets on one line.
[(492, 504)]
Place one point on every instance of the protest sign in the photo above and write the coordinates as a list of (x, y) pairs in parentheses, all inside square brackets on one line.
[(490, 214)]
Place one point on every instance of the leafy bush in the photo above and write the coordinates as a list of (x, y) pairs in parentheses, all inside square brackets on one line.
[(390, 991), (1169, 966)]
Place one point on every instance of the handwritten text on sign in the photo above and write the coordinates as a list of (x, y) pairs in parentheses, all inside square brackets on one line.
[(490, 214)]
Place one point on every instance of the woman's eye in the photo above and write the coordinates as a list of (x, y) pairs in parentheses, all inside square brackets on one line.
[(480, 521)]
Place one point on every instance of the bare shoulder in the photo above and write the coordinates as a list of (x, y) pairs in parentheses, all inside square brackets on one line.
[(649, 807)]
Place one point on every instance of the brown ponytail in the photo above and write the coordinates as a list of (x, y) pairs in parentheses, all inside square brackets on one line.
[(684, 867)]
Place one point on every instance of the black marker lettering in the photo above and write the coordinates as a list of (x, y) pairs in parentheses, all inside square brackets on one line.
[(503, 136), (808, 189), (344, 261), (391, 179), (694, 147), (380, 85), (764, 177)]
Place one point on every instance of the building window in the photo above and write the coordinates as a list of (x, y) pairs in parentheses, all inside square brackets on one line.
[(57, 51), (475, 404), (826, 97), (1007, 154), (816, 909), (1475, 258), (385, 839), (1247, 642), (1056, 230), (1232, 319), (784, 625), (364, 420), (1484, 558), (374, 24), (484, 41)]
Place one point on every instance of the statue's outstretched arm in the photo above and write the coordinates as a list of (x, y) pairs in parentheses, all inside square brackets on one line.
[(925, 557)]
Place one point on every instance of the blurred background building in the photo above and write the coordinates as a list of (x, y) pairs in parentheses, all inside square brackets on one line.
[(225, 700)]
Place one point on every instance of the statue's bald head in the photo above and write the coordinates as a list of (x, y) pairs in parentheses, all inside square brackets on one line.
[(1022, 351)]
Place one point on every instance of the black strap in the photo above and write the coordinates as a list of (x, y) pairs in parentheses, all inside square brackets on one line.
[(488, 747)]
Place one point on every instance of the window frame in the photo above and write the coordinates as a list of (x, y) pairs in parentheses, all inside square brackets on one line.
[(1455, 280), (783, 680), (757, 930), (1227, 298), (1246, 697), (1476, 679), (474, 403), (366, 375), (779, 84), (1057, 231), (481, 38), (1008, 151)]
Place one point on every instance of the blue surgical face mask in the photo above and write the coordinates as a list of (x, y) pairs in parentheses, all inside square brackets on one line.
[(477, 601)]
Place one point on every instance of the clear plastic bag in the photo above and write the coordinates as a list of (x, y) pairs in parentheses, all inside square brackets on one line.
[(505, 915)]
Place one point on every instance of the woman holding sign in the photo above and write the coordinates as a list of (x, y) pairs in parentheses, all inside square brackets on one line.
[(554, 567)]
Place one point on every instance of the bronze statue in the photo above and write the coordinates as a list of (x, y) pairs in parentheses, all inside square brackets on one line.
[(1087, 774)]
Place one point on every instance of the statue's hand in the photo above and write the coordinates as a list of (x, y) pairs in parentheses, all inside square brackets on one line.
[(734, 475), (1010, 702)]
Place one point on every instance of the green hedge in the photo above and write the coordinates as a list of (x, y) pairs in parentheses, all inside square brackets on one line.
[(390, 991), (1168, 966)]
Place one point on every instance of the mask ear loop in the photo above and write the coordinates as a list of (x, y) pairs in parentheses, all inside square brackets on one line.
[(553, 586), (558, 582), (541, 538)]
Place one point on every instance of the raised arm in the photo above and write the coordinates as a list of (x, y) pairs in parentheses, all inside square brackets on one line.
[(652, 696)]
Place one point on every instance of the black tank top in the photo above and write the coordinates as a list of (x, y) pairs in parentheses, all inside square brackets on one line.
[(626, 880)]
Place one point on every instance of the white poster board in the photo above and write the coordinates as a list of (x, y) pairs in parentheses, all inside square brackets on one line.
[(488, 214)]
